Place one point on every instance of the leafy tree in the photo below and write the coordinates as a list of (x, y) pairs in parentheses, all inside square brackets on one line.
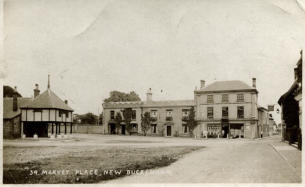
[(116, 96), (9, 92), (118, 119), (191, 121), (127, 113), (88, 118), (145, 122)]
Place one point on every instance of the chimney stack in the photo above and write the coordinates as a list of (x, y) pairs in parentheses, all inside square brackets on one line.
[(66, 102), (149, 95), (15, 100), (254, 82), (36, 90), (202, 83)]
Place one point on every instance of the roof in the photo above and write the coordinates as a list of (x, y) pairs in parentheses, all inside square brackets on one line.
[(169, 103), (288, 93), (234, 85), (261, 108), (48, 99), (166, 103), (8, 112)]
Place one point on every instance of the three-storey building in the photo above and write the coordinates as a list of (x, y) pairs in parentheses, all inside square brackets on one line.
[(227, 108)]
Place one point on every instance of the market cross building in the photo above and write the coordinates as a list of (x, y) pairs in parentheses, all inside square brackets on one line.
[(46, 114)]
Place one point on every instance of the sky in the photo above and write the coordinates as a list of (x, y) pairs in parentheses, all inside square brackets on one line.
[(91, 47)]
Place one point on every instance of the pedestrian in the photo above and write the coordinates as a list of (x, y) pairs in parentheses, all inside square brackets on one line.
[(261, 134)]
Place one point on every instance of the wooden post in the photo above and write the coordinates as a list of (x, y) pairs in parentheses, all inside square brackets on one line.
[(59, 128), (56, 128), (52, 128), (71, 128), (65, 128)]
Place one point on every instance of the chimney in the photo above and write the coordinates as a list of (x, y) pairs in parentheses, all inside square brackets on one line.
[(36, 90), (15, 100), (202, 83), (254, 82), (66, 102), (149, 95)]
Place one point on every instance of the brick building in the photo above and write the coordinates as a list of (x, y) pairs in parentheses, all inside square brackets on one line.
[(12, 115), (167, 116), (224, 108), (228, 108)]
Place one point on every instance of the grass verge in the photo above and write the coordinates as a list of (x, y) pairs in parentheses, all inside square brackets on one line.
[(92, 166)]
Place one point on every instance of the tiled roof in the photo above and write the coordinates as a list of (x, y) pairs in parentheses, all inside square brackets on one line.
[(166, 103), (234, 85), (8, 112), (169, 103), (48, 99)]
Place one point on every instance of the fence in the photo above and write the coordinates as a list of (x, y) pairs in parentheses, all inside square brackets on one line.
[(88, 129)]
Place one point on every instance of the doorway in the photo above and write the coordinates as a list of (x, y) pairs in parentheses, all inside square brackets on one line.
[(123, 129), (225, 131), (112, 128), (169, 131)]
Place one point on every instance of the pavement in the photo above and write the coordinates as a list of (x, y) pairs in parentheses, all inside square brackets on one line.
[(266, 160)]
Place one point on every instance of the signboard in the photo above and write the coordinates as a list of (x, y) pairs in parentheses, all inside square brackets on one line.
[(270, 107)]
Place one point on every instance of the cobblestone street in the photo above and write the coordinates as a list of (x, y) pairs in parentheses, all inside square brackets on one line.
[(231, 161)]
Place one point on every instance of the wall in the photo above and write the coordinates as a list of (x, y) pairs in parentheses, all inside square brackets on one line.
[(11, 128), (80, 128)]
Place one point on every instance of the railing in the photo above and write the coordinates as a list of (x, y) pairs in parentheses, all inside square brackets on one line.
[(185, 118), (153, 119)]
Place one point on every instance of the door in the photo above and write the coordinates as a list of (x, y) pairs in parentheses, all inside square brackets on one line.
[(112, 128), (123, 127), (169, 130)]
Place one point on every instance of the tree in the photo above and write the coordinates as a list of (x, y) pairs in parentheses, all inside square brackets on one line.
[(116, 96), (145, 122), (191, 121), (9, 92), (127, 114), (118, 119), (88, 118)]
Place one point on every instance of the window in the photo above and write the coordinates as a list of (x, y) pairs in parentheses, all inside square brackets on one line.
[(153, 113), (169, 113), (240, 112), (210, 99), (133, 114), (225, 112), (154, 128), (210, 112), (240, 97), (185, 112), (225, 98), (111, 114)]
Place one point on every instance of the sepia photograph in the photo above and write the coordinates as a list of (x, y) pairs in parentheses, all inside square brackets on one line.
[(162, 92)]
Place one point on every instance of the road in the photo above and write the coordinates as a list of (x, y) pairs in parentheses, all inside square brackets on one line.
[(230, 161)]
